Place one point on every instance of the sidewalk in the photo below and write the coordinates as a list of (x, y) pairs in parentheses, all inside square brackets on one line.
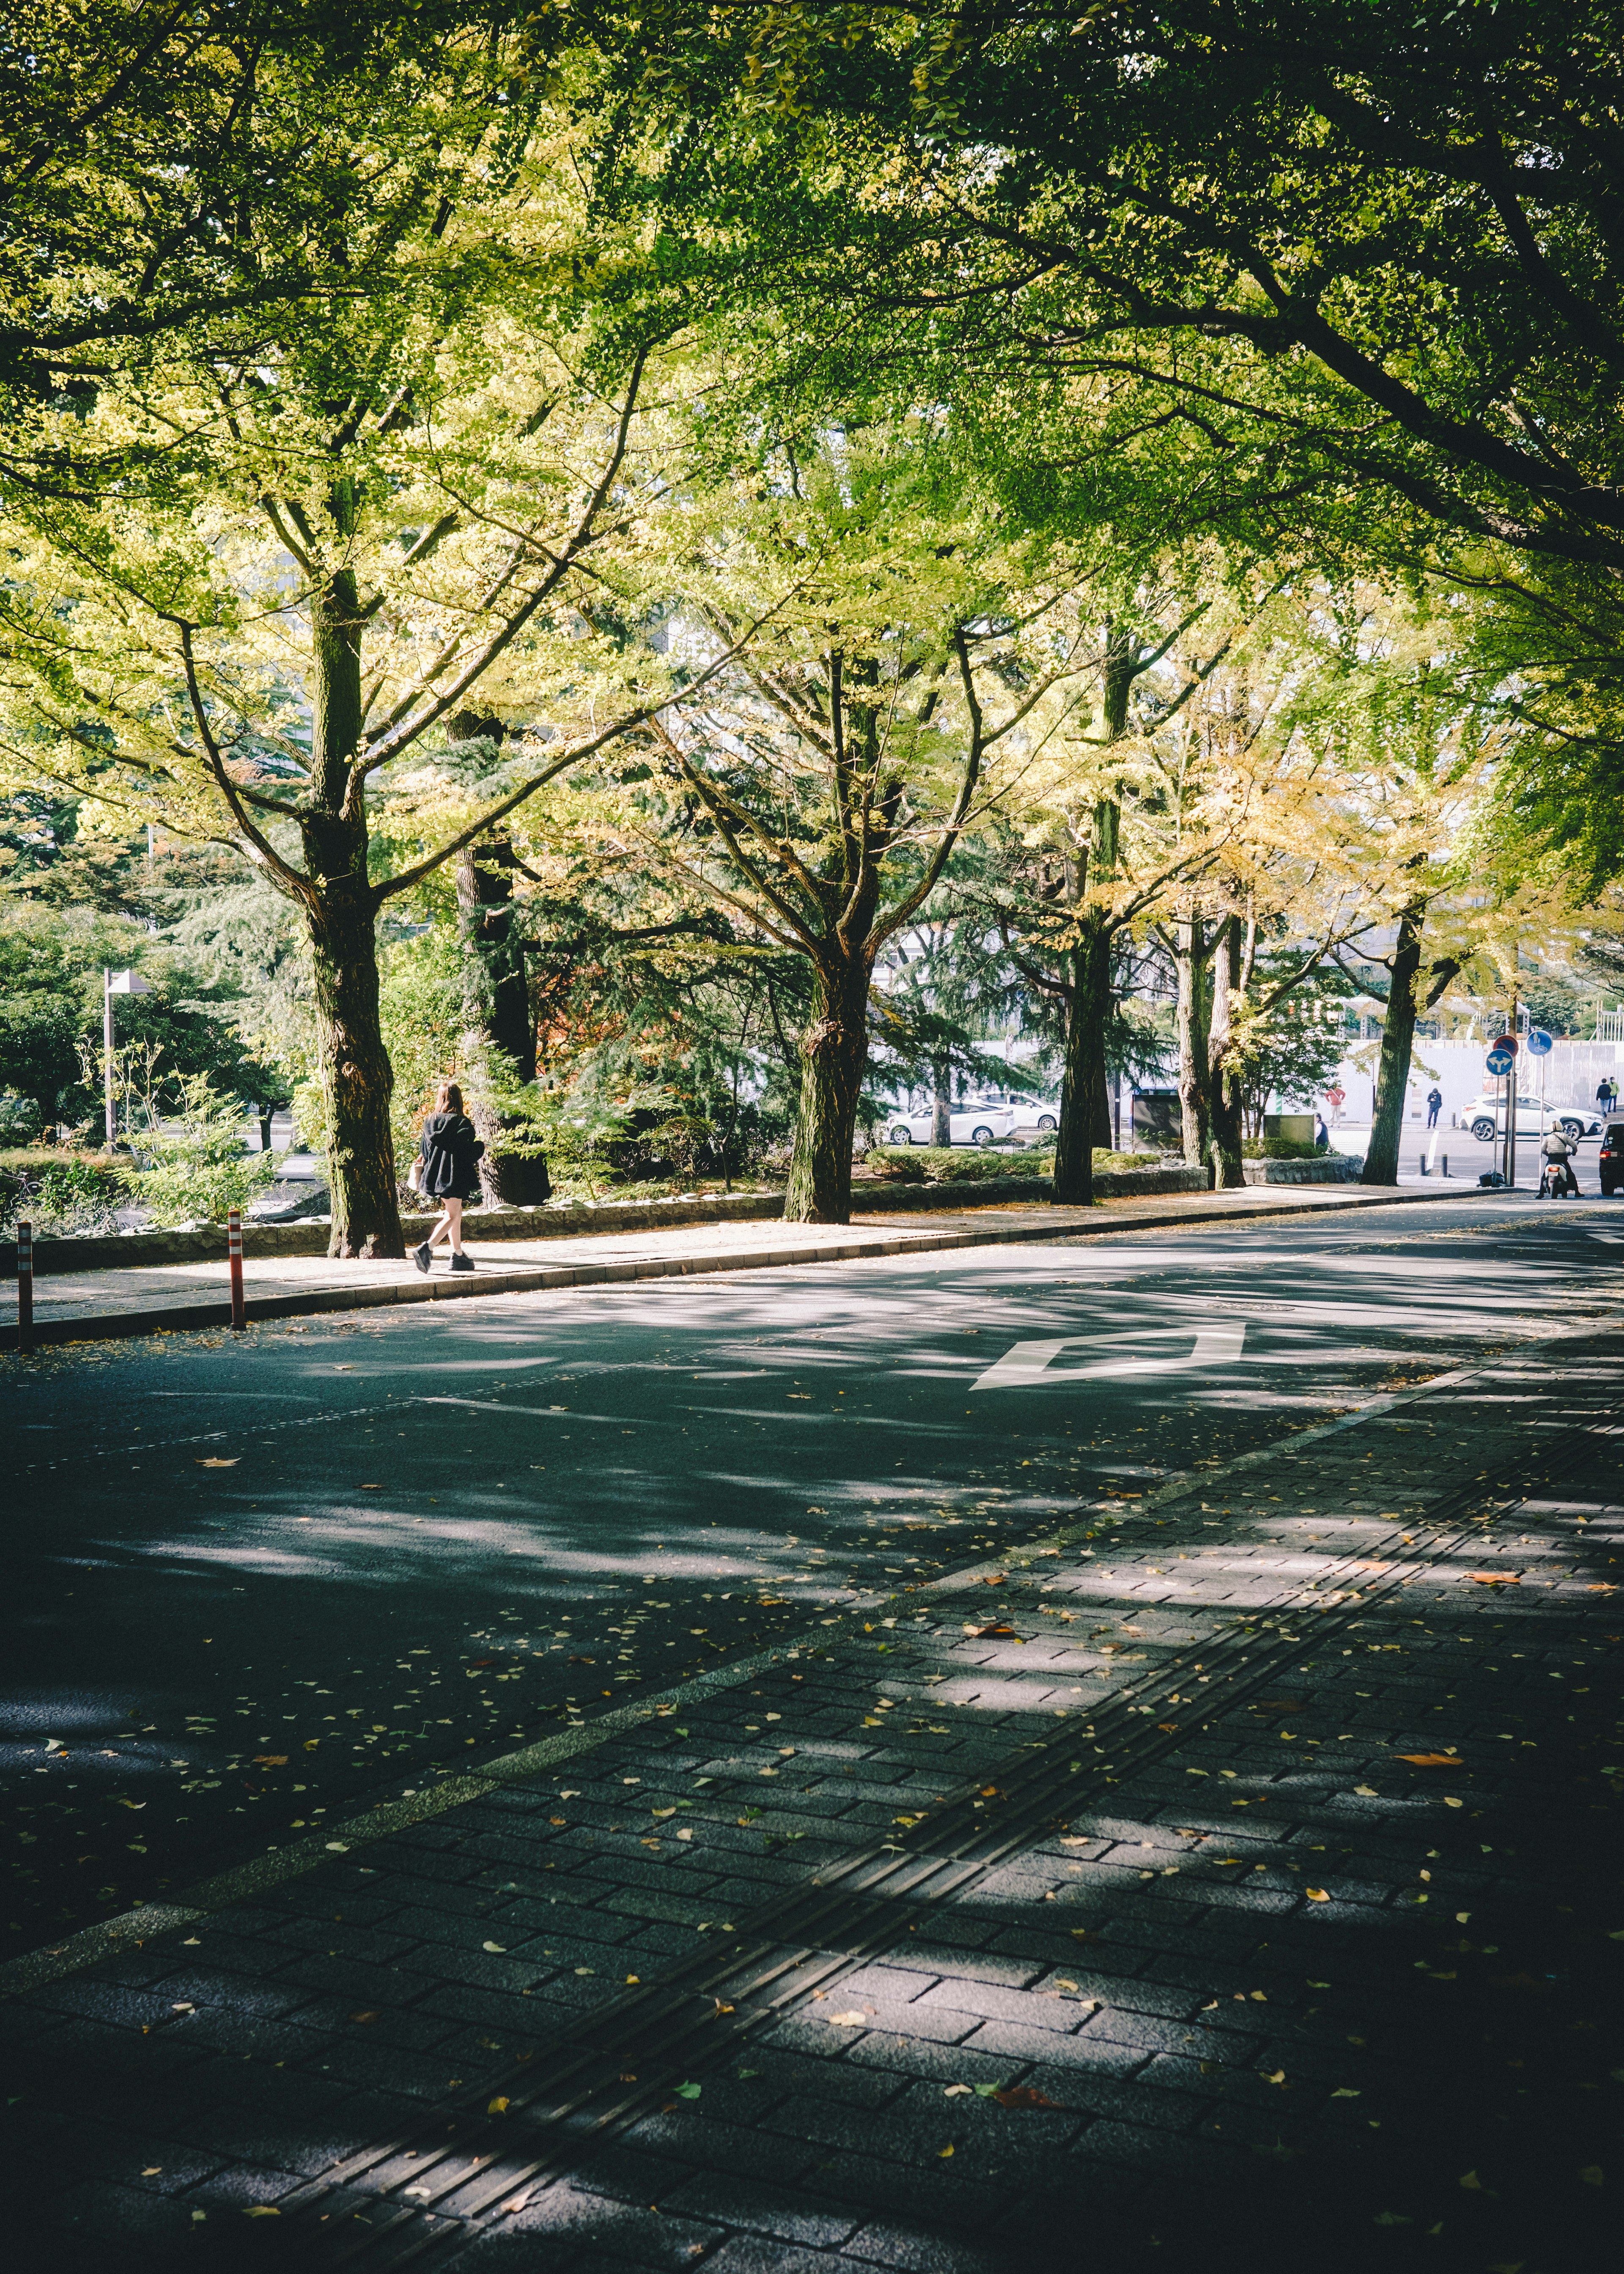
[(1082, 1925), (156, 1299)]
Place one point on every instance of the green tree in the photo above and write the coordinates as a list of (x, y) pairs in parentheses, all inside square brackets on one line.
[(922, 659)]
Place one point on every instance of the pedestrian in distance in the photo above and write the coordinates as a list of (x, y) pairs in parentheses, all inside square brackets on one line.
[(1434, 1106), (1606, 1093), (449, 1152)]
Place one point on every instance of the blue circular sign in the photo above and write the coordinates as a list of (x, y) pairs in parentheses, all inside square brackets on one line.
[(1538, 1041), (1499, 1061)]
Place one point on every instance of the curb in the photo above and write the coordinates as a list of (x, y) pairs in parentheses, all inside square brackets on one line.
[(192, 1318)]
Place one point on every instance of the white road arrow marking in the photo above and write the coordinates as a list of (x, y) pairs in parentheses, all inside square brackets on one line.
[(1029, 1362)]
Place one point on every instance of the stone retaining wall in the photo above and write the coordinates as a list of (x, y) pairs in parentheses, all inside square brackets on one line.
[(1329, 1168), (208, 1246)]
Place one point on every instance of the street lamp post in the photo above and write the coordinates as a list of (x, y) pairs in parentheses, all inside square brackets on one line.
[(115, 983)]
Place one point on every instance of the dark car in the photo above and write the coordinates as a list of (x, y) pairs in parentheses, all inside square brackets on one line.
[(1612, 1162)]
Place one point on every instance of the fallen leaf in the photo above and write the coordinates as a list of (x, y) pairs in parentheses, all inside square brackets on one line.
[(1367, 1792), (499, 1946), (1496, 1578), (1433, 1760), (152, 2171), (1277, 2077), (952, 2091), (1472, 2183), (1022, 2095), (364, 2017), (853, 2020), (1392, 2218), (947, 2150), (1317, 1895), (998, 1628), (270, 1760), (1345, 2092), (231, 1464), (262, 2210), (687, 2091), (1591, 2175), (498, 2106)]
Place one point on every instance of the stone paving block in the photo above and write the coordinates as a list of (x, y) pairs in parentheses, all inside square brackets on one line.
[(914, 2249), (785, 2215), (595, 2230)]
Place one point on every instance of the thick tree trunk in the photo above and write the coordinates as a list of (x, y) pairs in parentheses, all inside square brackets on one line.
[(1223, 1087), (356, 1078), (1190, 959), (834, 1051), (942, 1103), (499, 1011), (1398, 1035), (1083, 1107)]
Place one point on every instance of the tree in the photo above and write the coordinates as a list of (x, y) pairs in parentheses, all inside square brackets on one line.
[(1350, 275), (324, 541), (170, 170), (923, 657)]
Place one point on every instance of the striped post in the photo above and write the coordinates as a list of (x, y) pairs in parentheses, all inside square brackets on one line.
[(234, 1244), (24, 1284)]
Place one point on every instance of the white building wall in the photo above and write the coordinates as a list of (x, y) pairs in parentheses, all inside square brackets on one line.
[(1573, 1070)]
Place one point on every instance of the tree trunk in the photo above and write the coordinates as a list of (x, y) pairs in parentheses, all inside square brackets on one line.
[(1223, 1087), (1190, 959), (834, 1051), (356, 1078), (1398, 1035), (498, 1010), (942, 1105), (1083, 1104)]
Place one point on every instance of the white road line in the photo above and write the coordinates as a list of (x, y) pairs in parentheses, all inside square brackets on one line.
[(1029, 1362)]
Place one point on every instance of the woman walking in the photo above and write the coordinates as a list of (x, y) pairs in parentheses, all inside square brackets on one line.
[(448, 1150)]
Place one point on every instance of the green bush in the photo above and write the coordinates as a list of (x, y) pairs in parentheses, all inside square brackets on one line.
[(916, 1164), (1278, 1149), (195, 1172), (60, 1192)]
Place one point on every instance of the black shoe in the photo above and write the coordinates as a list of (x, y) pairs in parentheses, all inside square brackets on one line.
[(461, 1262), (420, 1256)]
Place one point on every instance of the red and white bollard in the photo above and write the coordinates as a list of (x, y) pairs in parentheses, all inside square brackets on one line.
[(24, 1284), (233, 1246)]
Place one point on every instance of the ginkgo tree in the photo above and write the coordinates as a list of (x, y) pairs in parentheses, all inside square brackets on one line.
[(326, 543), (920, 657)]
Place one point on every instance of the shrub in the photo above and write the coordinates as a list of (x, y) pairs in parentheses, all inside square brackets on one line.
[(20, 1119), (60, 1192), (200, 1169), (1278, 1149)]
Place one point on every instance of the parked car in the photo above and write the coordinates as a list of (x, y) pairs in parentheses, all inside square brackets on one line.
[(977, 1121), (1486, 1118), (1611, 1158)]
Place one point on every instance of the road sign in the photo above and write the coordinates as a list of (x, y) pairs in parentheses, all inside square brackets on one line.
[(1499, 1060), (1538, 1041), (1505, 1043)]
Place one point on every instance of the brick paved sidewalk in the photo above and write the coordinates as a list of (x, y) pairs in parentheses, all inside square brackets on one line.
[(1239, 1876), (174, 1298)]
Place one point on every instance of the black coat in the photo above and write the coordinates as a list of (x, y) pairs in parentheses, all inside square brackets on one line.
[(449, 1148)]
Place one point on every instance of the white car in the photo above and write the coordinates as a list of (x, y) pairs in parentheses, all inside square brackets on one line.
[(980, 1121), (1486, 1118), (985, 1120)]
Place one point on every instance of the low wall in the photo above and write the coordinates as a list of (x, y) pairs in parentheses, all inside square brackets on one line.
[(1331, 1168), (130, 1250)]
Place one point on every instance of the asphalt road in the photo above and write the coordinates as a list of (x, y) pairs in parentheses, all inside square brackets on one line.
[(253, 1583)]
